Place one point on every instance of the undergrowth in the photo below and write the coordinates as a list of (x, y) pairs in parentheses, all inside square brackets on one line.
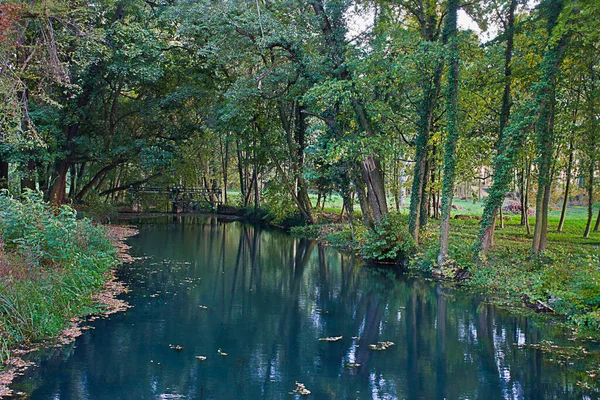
[(50, 264)]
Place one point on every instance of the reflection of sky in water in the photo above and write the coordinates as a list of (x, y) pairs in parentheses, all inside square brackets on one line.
[(269, 299)]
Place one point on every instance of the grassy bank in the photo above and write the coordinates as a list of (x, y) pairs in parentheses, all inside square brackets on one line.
[(51, 264), (565, 280)]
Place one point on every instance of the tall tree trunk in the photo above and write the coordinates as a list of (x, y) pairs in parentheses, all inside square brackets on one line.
[(224, 147), (72, 177), (545, 139), (526, 201), (514, 134), (452, 130), (256, 184), (371, 174), (364, 205), (58, 190), (242, 176), (563, 211), (431, 87), (506, 106), (590, 193), (597, 225), (522, 195), (421, 170)]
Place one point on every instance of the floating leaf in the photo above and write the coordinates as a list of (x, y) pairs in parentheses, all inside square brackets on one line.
[(381, 346), (301, 389), (331, 339)]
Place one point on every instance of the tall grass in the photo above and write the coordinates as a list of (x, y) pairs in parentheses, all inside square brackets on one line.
[(50, 265)]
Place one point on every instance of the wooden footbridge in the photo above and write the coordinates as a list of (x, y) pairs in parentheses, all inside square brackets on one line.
[(181, 198)]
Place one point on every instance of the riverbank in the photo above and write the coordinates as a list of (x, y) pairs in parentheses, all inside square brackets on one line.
[(564, 282), (55, 269)]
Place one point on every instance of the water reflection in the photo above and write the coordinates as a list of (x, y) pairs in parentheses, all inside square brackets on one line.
[(270, 297)]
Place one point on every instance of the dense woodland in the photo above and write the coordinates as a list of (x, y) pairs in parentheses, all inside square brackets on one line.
[(387, 104)]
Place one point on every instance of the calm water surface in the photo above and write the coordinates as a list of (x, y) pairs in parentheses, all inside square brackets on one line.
[(269, 297)]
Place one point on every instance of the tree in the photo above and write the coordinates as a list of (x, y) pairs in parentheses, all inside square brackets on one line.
[(451, 32)]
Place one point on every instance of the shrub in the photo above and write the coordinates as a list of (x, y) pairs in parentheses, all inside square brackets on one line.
[(389, 240)]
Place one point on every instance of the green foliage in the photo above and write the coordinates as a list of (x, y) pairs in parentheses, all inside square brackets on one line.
[(98, 209), (278, 203), (389, 240), (50, 263)]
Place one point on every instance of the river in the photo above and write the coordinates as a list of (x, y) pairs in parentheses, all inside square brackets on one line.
[(255, 303)]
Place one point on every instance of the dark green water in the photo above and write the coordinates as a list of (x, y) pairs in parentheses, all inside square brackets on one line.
[(270, 297)]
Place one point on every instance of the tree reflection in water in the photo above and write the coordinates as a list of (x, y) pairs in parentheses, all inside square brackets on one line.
[(270, 297)]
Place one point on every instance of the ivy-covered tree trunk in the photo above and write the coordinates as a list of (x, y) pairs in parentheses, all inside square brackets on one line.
[(545, 133), (451, 31), (506, 101), (514, 134), (417, 217)]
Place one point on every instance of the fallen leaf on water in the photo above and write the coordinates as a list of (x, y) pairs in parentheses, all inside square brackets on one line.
[(301, 389), (381, 346), (331, 339)]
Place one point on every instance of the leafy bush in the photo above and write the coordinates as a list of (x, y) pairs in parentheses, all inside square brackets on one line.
[(389, 240), (52, 263)]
